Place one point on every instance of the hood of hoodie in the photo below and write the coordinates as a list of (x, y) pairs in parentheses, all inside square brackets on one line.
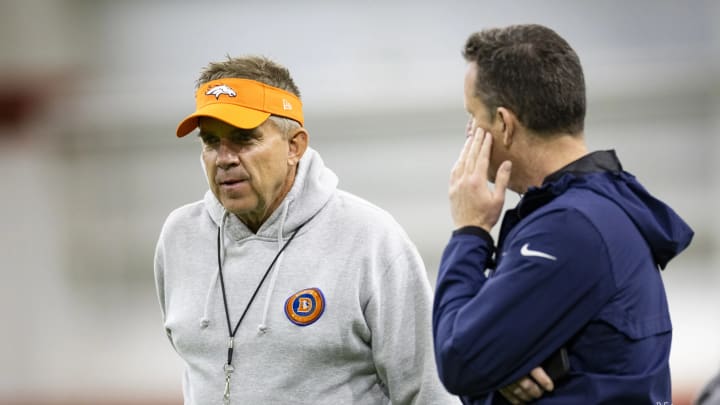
[(601, 172), (314, 185)]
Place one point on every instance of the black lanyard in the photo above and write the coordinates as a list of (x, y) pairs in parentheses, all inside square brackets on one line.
[(228, 366)]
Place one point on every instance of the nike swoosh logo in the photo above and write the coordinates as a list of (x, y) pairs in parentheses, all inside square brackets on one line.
[(525, 251)]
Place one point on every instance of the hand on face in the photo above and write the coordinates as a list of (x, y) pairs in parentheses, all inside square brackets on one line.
[(472, 201)]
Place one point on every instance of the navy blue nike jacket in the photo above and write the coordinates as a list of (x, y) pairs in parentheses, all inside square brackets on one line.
[(577, 266)]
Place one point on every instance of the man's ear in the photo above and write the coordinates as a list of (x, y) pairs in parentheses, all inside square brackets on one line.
[(298, 141), (508, 124)]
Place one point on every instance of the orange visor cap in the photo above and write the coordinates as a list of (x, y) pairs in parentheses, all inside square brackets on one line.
[(242, 103)]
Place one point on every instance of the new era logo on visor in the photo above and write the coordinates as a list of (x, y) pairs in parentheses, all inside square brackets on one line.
[(219, 90)]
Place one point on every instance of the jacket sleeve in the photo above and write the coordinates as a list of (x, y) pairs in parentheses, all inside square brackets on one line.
[(399, 317), (552, 278)]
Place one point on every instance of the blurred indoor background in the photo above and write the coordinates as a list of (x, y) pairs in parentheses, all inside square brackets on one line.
[(91, 92)]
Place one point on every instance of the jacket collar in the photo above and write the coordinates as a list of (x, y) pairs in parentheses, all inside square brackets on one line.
[(556, 183), (600, 161)]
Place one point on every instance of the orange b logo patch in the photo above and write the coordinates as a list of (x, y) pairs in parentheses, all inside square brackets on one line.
[(305, 306)]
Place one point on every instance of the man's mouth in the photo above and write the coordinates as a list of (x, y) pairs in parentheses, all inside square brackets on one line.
[(231, 183)]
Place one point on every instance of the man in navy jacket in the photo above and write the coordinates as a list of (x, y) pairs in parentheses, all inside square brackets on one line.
[(576, 266)]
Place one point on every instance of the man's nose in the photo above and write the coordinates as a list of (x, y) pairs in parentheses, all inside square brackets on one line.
[(226, 154)]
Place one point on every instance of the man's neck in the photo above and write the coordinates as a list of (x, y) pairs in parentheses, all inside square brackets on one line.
[(546, 156), (252, 221)]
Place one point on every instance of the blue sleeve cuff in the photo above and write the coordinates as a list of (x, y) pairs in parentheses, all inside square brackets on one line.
[(482, 233), (475, 230)]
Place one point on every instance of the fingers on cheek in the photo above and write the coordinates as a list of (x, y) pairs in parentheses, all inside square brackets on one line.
[(455, 170), (469, 141), (487, 142)]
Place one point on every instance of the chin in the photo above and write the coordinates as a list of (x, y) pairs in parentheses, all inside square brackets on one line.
[(238, 207)]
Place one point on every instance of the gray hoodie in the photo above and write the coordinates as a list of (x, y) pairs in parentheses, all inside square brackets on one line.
[(342, 318)]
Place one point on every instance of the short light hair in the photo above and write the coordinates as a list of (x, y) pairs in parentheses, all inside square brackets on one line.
[(284, 125), (258, 68), (532, 71)]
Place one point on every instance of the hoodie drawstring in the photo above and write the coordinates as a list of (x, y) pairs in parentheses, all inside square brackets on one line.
[(262, 327), (205, 321)]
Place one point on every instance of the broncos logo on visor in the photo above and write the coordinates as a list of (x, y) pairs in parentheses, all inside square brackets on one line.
[(219, 90), (305, 306)]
